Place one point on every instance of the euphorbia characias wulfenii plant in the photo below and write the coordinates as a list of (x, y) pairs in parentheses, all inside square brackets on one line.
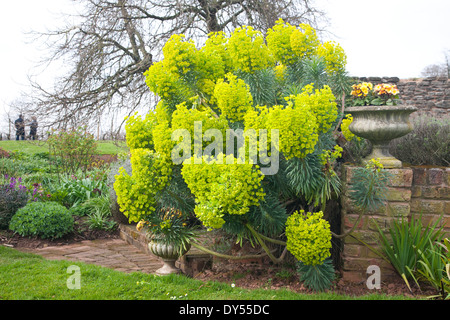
[(227, 111)]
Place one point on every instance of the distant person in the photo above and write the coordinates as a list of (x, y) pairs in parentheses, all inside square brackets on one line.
[(33, 128), (20, 128)]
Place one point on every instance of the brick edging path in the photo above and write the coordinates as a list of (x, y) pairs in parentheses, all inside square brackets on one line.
[(116, 254)]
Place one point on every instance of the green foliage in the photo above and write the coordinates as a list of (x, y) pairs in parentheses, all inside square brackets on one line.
[(430, 140), (236, 81), (308, 237), (222, 189), (13, 196), (368, 186), (24, 164), (99, 221), (42, 219), (317, 277), (73, 149), (75, 191), (434, 267), (98, 211), (308, 179), (169, 227), (407, 243)]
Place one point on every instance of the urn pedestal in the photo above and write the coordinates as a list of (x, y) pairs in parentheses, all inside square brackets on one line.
[(380, 125), (169, 254)]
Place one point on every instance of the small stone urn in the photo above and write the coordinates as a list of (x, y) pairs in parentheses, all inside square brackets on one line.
[(169, 255), (380, 125)]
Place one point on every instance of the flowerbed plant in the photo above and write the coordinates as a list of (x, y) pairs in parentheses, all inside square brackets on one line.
[(13, 196), (42, 219), (169, 227), (274, 96), (28, 178), (383, 94)]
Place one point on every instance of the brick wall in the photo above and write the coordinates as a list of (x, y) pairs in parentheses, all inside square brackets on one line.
[(429, 95), (414, 190)]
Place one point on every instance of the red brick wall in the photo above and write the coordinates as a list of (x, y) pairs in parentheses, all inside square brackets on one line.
[(412, 191)]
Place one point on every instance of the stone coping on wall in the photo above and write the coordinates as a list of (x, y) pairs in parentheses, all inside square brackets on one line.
[(421, 191), (429, 95)]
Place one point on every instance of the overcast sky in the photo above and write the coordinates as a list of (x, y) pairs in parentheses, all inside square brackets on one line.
[(381, 38), (390, 37)]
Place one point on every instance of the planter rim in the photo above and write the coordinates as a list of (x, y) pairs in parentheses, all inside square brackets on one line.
[(380, 108)]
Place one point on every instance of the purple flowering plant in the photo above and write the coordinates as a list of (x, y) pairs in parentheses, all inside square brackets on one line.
[(13, 196)]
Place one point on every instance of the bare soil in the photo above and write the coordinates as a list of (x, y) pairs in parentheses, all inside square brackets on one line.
[(256, 276), (81, 232)]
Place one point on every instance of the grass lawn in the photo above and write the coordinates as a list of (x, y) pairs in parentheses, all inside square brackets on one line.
[(30, 277), (32, 147)]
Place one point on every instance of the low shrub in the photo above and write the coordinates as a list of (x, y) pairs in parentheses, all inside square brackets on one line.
[(42, 219), (430, 141), (72, 150), (13, 196)]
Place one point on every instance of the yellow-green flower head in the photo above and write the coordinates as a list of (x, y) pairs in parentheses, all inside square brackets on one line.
[(280, 72), (180, 55), (233, 97), (161, 81), (139, 131), (346, 122), (137, 194), (184, 118), (308, 237), (279, 42), (216, 46), (334, 56), (321, 102), (375, 164), (304, 44), (225, 187), (248, 50)]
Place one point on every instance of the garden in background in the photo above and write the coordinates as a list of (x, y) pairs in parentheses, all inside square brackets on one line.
[(291, 91)]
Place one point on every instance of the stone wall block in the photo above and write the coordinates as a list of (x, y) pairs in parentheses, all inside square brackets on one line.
[(399, 209), (435, 192), (401, 177), (447, 207), (427, 206), (399, 194), (435, 176), (446, 177)]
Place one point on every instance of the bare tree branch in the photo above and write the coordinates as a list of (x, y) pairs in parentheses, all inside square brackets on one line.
[(116, 41)]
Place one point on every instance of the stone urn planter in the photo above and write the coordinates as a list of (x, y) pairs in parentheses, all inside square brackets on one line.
[(169, 255), (380, 125)]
